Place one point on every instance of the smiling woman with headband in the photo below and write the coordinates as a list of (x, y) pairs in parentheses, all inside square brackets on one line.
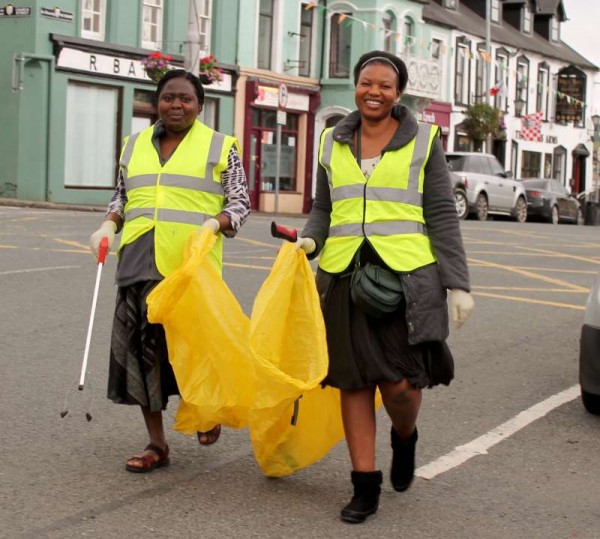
[(385, 225)]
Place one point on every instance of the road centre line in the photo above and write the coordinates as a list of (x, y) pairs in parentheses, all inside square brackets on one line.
[(32, 270), (480, 446), (587, 272), (531, 300), (564, 255), (525, 273)]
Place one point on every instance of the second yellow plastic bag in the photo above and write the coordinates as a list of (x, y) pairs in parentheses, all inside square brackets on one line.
[(294, 421), (207, 338)]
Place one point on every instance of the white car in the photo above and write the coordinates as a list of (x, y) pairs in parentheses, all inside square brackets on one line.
[(482, 187), (589, 352)]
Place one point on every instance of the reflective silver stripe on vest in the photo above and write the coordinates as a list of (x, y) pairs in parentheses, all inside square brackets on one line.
[(382, 228), (127, 152), (175, 180), (379, 194), (419, 154), (214, 153), (326, 156), (143, 180), (175, 216)]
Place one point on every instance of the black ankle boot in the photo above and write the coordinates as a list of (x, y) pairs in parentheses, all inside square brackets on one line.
[(403, 461), (367, 486)]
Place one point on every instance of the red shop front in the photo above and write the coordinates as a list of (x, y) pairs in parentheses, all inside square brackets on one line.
[(437, 113)]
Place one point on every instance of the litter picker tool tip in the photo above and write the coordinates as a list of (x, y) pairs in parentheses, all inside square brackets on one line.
[(283, 233)]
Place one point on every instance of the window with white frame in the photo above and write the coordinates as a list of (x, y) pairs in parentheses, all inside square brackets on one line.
[(480, 71), (495, 10), (91, 135), (93, 16), (390, 28), (501, 80), (265, 34), (522, 83), (408, 35), (461, 71), (203, 10), (340, 46), (526, 19), (555, 30), (306, 38), (209, 115), (543, 90), (152, 22), (436, 48)]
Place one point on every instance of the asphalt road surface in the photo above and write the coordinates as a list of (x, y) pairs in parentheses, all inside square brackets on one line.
[(506, 451)]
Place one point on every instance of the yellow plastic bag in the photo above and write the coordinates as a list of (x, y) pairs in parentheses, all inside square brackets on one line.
[(207, 338), (294, 421)]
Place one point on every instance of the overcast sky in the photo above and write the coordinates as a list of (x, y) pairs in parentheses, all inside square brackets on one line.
[(580, 30)]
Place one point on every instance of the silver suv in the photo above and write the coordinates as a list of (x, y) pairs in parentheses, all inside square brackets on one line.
[(482, 187)]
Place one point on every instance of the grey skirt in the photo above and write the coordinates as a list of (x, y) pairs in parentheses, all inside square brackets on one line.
[(139, 369), (364, 351)]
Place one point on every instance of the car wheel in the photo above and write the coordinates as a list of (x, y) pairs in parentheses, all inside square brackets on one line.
[(580, 219), (462, 204), (591, 402), (521, 210), (554, 216), (482, 207)]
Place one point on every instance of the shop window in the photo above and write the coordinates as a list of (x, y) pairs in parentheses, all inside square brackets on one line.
[(144, 110), (560, 162), (92, 121), (340, 46), (306, 38), (389, 29), (210, 113), (152, 21), (265, 34), (547, 165), (265, 123), (531, 164), (93, 16)]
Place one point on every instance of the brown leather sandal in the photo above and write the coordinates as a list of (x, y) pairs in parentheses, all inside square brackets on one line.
[(209, 437), (147, 461)]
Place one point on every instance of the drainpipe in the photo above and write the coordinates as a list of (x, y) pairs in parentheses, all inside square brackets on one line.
[(18, 69)]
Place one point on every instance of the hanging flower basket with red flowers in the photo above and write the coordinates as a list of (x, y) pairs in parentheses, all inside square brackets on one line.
[(209, 72), (156, 65)]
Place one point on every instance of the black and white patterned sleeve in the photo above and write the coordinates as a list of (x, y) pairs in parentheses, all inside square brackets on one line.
[(237, 201), (119, 199)]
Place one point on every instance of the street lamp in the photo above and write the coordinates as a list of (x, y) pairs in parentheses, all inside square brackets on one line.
[(520, 103)]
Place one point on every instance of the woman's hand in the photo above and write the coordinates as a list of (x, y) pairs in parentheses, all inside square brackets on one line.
[(308, 245), (461, 305), (107, 230)]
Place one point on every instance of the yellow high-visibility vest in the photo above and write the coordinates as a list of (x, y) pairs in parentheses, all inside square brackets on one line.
[(174, 199), (387, 209)]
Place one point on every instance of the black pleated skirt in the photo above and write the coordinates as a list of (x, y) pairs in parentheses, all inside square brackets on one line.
[(364, 351), (139, 369)]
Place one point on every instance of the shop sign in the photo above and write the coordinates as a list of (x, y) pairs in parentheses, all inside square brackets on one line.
[(10, 10), (56, 13), (433, 117), (101, 64), (268, 96)]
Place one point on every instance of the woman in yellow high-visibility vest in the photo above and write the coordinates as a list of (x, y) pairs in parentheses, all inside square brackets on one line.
[(175, 176), (384, 197)]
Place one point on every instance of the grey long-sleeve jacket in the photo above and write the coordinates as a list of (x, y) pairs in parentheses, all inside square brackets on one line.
[(439, 209)]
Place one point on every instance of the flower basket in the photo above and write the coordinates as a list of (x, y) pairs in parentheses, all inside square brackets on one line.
[(156, 64), (208, 70)]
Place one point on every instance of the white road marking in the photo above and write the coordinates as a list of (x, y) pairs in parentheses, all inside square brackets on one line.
[(481, 445), (37, 269)]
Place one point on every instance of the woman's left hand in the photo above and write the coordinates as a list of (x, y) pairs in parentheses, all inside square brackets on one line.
[(462, 305)]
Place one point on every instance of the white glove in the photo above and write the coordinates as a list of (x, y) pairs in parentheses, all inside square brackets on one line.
[(308, 245), (107, 230), (461, 304), (212, 224)]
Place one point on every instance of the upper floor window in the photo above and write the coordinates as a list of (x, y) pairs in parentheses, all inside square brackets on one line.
[(390, 28), (152, 22), (555, 30), (543, 83), (501, 82), (408, 28), (340, 46), (265, 34), (306, 38), (93, 14), (480, 72), (436, 48), (495, 10), (526, 19), (451, 4), (522, 82), (461, 71), (203, 9), (570, 96)]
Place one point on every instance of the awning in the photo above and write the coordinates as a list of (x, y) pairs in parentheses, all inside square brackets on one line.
[(581, 151)]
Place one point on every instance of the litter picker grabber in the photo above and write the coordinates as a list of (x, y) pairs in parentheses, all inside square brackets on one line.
[(278, 231), (102, 252)]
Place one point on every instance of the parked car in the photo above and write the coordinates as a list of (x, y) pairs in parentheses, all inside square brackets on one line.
[(549, 200), (482, 187), (589, 351)]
